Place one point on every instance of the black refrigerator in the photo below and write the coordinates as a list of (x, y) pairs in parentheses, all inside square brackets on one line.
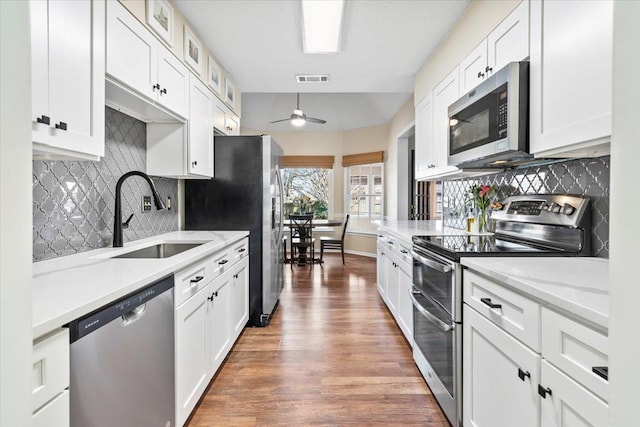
[(246, 193)]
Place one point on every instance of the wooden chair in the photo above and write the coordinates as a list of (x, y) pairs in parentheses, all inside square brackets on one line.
[(301, 239), (332, 243)]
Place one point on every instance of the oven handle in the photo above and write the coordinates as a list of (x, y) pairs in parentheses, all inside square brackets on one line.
[(439, 323), (431, 263)]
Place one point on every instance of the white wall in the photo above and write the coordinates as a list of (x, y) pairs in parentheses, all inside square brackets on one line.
[(624, 228), (15, 217)]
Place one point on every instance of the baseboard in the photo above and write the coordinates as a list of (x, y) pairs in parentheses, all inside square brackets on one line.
[(367, 254)]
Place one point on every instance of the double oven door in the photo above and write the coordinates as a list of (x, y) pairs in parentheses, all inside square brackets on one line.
[(437, 331)]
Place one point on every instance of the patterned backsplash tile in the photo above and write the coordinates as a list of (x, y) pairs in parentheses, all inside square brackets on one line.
[(588, 177), (73, 201)]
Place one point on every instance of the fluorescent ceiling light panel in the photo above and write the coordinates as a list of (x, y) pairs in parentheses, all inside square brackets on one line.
[(321, 24)]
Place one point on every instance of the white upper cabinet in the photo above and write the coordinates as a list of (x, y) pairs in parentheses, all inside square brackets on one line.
[(424, 162), (508, 42), (136, 59), (432, 129), (445, 94), (200, 146), (67, 74), (571, 78), (224, 120)]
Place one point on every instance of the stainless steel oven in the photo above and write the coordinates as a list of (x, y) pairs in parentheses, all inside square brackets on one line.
[(528, 225), (436, 295)]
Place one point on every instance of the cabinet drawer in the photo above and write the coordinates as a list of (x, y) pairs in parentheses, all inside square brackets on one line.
[(222, 261), (192, 279), (239, 250), (50, 374), (54, 413), (513, 312), (575, 349)]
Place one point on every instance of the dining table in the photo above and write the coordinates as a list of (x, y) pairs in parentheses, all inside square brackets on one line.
[(319, 226)]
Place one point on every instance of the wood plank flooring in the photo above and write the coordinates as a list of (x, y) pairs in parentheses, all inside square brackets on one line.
[(331, 356)]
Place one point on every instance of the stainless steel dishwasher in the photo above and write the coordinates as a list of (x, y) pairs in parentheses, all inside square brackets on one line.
[(122, 361)]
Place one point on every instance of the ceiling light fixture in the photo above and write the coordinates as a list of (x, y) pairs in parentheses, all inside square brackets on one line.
[(321, 25)]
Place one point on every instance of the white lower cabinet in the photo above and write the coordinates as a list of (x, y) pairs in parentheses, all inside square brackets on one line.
[(208, 323), (500, 376), (50, 380), (54, 413), (567, 404), (405, 307), (192, 352), (510, 380), (219, 322), (395, 279), (240, 297)]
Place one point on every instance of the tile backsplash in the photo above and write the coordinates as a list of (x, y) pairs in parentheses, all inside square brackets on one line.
[(73, 201), (589, 177)]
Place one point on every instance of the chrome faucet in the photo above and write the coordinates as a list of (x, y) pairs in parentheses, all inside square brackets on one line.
[(117, 220)]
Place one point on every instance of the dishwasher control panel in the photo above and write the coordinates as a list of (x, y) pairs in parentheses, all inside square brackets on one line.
[(125, 307)]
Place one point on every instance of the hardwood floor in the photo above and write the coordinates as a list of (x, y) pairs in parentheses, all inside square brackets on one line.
[(332, 355)]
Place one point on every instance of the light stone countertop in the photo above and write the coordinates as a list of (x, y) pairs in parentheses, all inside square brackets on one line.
[(69, 287), (406, 229), (578, 285)]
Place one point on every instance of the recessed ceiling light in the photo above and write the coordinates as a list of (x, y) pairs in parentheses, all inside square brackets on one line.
[(321, 25)]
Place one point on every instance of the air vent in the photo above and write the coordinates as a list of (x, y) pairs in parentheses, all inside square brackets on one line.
[(312, 78)]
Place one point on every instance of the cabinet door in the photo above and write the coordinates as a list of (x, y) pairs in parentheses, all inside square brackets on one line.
[(39, 21), (494, 395), (510, 40), (445, 94), (571, 76), (192, 352), (219, 325), (381, 272), (132, 51), (425, 156), (200, 129), (393, 290), (55, 413), (240, 297), (173, 78), (219, 116), (232, 124), (473, 68), (569, 404), (405, 307)]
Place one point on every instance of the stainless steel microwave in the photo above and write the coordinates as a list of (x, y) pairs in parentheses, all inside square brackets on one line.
[(489, 126)]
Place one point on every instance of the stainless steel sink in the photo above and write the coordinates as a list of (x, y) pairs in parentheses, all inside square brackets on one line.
[(161, 250)]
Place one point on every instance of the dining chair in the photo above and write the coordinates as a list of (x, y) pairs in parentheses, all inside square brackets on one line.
[(301, 239), (327, 242)]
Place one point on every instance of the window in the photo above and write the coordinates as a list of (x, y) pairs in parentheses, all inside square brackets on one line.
[(306, 190), (365, 189)]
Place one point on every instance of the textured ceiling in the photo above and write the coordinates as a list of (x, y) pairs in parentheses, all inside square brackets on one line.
[(384, 44)]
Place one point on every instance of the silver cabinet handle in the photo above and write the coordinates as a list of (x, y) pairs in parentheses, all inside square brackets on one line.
[(439, 323), (433, 264)]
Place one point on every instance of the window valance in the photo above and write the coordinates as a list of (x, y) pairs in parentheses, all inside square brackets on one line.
[(322, 162), (363, 158)]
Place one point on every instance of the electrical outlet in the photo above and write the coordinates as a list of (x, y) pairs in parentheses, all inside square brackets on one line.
[(146, 203)]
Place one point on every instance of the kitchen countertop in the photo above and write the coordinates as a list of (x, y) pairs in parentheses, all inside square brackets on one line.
[(406, 229), (577, 285), (69, 287)]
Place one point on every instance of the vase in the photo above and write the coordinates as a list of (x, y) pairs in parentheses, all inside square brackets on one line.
[(483, 221)]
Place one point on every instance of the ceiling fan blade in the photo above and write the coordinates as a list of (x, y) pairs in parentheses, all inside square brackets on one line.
[(313, 120), (283, 120)]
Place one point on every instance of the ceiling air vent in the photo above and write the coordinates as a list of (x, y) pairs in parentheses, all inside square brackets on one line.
[(312, 78)]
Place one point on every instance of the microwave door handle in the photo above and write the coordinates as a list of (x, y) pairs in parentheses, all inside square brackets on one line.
[(439, 323), (433, 264)]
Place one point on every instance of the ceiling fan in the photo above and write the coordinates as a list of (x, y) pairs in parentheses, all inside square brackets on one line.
[(298, 118)]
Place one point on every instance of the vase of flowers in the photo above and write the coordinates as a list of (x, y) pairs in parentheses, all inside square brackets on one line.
[(480, 196)]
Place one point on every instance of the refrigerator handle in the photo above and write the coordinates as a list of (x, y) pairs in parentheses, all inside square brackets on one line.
[(281, 191)]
